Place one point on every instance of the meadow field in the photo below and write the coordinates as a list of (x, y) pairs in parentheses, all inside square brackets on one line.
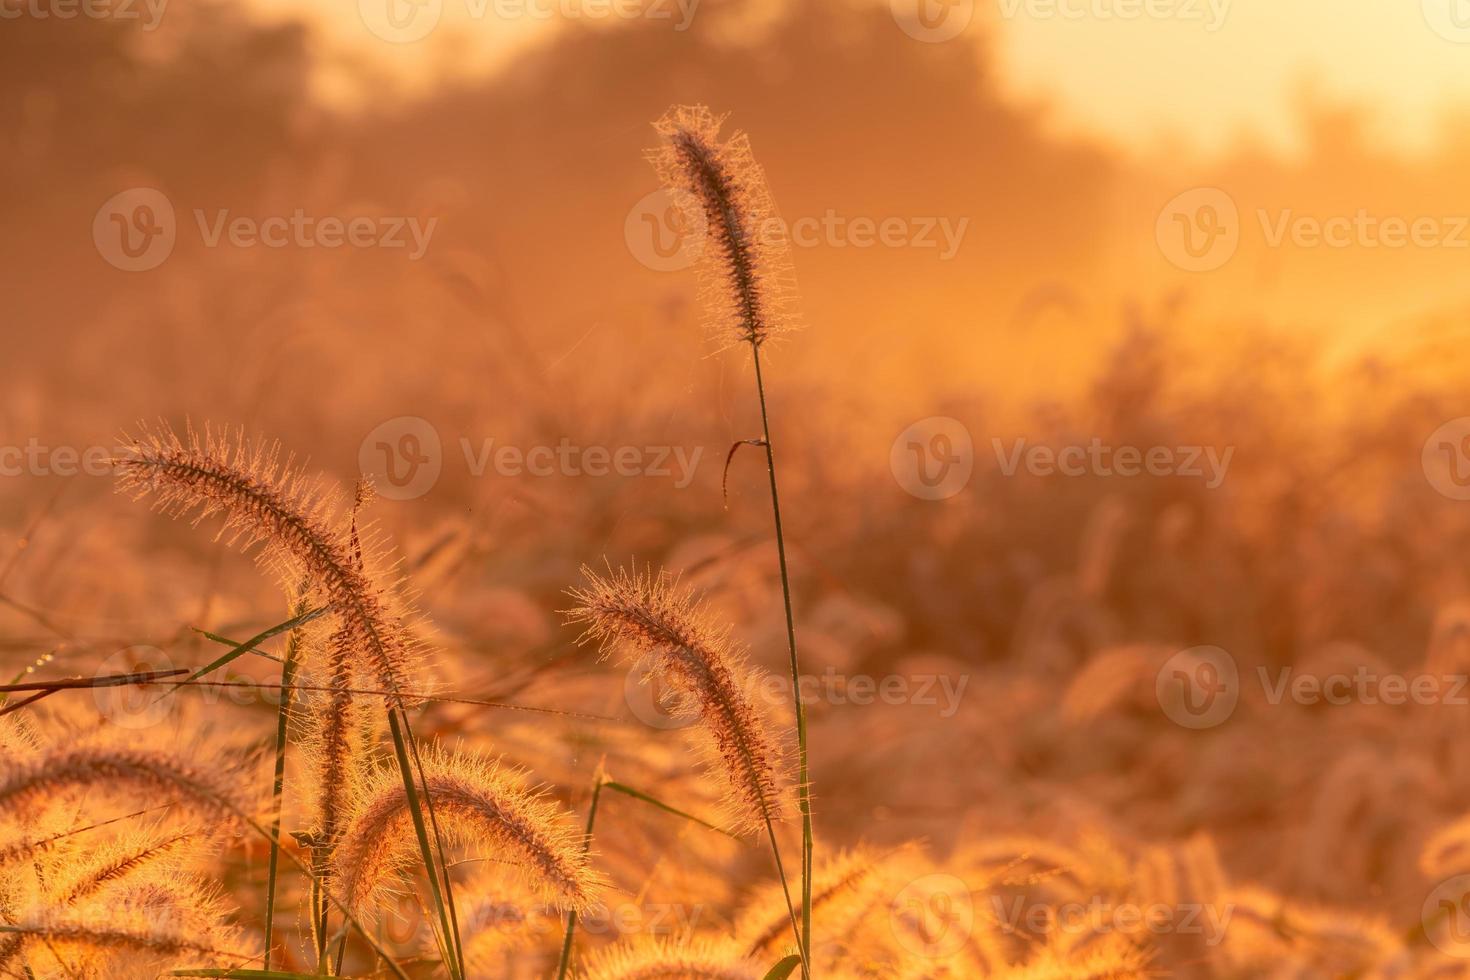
[(719, 491)]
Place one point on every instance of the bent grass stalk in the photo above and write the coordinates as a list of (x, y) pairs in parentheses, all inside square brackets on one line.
[(748, 282), (650, 615), (26, 848)]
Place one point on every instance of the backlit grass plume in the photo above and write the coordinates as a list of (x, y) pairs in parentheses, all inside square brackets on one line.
[(138, 931), (499, 917), (476, 801), (334, 742), (265, 499), (1447, 852), (337, 742), (708, 682), (1266, 930), (1113, 959), (745, 265), (207, 789), (658, 958), (846, 886), (748, 286), (123, 861)]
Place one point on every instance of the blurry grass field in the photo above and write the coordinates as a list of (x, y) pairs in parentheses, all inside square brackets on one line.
[(1197, 723)]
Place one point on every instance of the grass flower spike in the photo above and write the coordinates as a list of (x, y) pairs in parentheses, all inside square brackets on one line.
[(708, 682), (208, 790), (746, 273), (748, 292), (477, 802), (654, 958), (267, 500)]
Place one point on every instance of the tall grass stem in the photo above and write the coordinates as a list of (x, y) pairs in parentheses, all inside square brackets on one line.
[(803, 785)]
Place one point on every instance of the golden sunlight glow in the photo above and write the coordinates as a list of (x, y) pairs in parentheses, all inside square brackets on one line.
[(1197, 73)]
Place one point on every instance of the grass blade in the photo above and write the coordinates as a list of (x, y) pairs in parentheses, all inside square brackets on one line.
[(431, 866), (288, 674), (784, 968), (639, 795), (240, 649)]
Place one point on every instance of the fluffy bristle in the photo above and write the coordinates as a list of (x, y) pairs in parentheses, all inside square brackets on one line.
[(497, 916), (123, 861), (473, 800), (1447, 851), (1112, 959), (658, 958), (844, 888), (138, 931), (335, 741), (264, 499), (206, 788), (745, 264), (707, 678)]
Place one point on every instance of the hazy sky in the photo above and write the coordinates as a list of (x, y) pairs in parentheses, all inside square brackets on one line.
[(1145, 78), (1150, 72)]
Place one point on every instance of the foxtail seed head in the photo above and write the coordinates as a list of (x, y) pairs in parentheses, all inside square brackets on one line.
[(473, 800), (745, 267), (661, 958), (205, 789), (267, 500), (708, 679)]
